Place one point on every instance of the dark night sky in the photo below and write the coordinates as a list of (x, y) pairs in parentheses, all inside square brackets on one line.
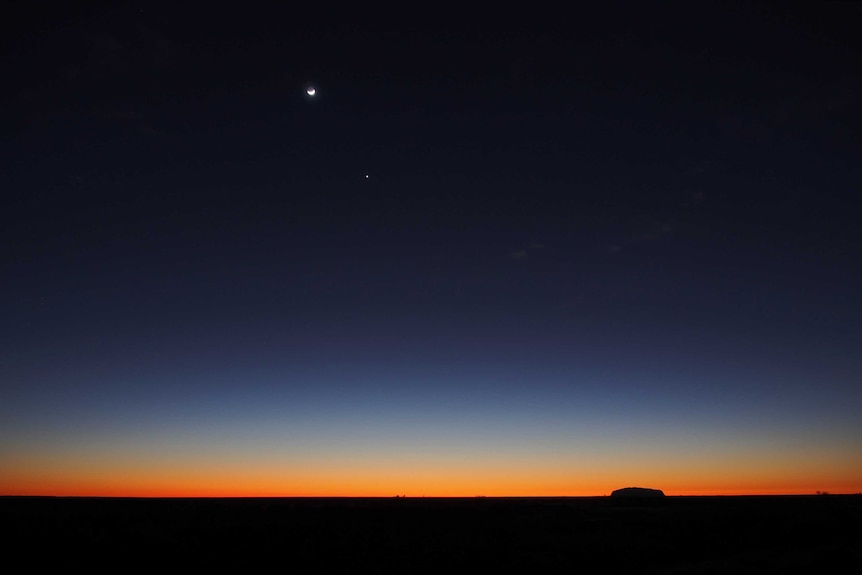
[(630, 229)]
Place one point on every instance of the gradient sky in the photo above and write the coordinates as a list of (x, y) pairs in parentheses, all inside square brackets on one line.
[(497, 254)]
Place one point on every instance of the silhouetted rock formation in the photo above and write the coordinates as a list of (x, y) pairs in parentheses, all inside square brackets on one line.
[(637, 492)]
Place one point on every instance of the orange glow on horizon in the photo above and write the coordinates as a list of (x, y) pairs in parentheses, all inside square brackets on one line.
[(420, 476), (371, 485), (120, 492)]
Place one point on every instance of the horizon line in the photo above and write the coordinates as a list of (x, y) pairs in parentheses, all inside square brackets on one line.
[(400, 496)]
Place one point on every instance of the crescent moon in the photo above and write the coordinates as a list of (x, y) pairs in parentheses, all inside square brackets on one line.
[(311, 91)]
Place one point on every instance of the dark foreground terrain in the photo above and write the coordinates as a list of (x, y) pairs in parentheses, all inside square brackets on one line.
[(802, 534)]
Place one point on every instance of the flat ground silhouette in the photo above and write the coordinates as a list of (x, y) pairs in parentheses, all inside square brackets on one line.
[(669, 535)]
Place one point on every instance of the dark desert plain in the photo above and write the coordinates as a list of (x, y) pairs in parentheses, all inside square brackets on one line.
[(676, 534), (416, 289)]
